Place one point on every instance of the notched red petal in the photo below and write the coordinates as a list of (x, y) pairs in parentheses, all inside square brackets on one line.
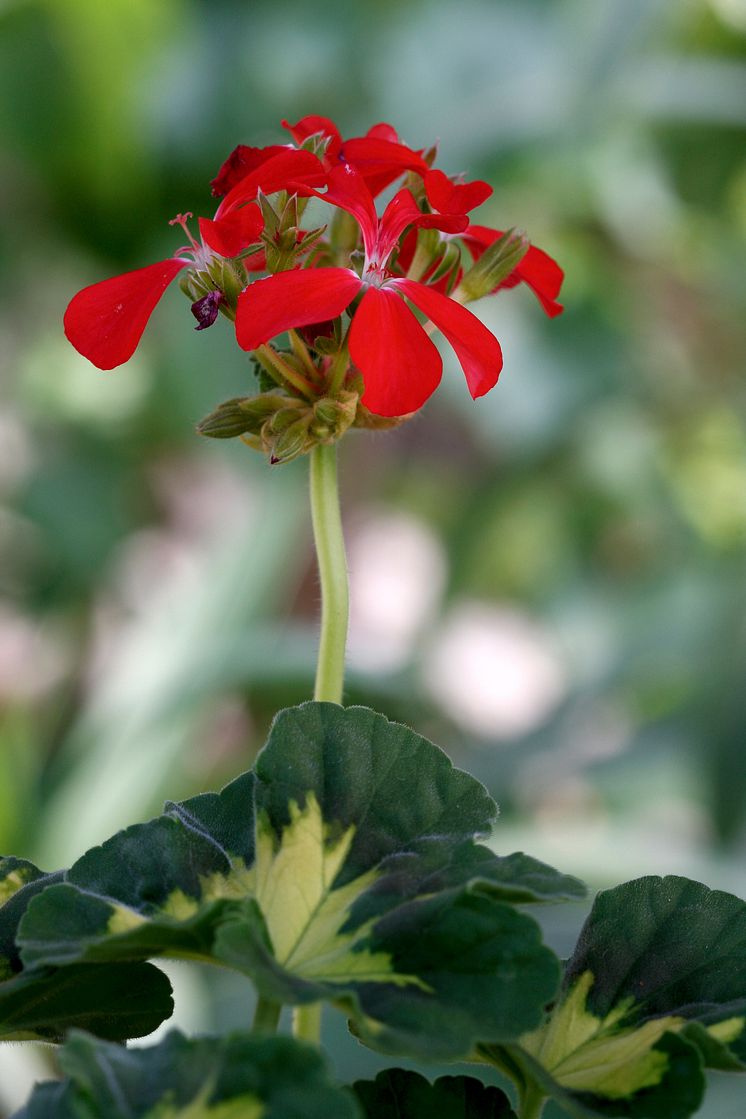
[(104, 322), (448, 197)]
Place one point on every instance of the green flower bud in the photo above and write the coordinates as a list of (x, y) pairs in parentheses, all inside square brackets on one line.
[(227, 421), (494, 265), (332, 417), (242, 415), (291, 442)]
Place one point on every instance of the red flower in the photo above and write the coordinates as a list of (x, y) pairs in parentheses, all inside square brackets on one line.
[(537, 269), (400, 365), (105, 321), (379, 156), (449, 197)]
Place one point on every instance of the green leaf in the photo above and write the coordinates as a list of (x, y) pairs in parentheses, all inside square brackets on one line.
[(655, 989), (159, 888), (344, 869), (399, 1094), (113, 1002), (370, 892), (49, 1101), (15, 873), (234, 1077)]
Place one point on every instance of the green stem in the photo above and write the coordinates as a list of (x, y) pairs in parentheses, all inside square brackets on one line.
[(274, 364), (266, 1016), (307, 1022), (330, 549), (532, 1101), (336, 374), (300, 349), (420, 261)]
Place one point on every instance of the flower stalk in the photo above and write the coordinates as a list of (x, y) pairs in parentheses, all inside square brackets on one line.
[(330, 550), (532, 1101), (266, 1016)]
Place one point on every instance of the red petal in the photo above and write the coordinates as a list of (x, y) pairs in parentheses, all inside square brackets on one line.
[(383, 131), (347, 189), (476, 347), (370, 153), (105, 321), (402, 211), (454, 198), (401, 367), (544, 276), (309, 126), (286, 169), (241, 162), (274, 304), (233, 233), (380, 161)]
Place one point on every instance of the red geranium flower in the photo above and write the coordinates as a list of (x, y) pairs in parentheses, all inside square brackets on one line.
[(379, 156), (537, 269), (105, 321), (400, 365)]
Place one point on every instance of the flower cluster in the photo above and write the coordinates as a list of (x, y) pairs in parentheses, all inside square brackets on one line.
[(342, 292)]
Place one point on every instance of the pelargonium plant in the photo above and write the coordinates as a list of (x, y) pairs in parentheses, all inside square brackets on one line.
[(347, 868)]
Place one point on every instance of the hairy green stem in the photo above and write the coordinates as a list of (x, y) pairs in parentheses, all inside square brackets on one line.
[(330, 550), (266, 1016), (307, 1022)]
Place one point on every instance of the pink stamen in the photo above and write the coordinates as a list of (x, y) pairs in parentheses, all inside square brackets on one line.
[(182, 219)]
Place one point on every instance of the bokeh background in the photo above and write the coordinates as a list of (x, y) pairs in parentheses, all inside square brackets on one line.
[(549, 583)]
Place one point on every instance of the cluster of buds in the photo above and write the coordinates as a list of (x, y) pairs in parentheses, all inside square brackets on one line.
[(282, 426), (344, 291)]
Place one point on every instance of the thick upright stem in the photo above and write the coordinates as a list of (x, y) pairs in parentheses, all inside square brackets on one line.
[(266, 1016), (330, 550), (531, 1104), (307, 1022)]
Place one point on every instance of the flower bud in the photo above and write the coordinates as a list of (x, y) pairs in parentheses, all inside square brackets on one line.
[(290, 443), (241, 415), (494, 265), (332, 417)]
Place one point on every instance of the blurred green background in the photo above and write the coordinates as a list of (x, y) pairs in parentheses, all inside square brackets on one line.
[(549, 583)]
